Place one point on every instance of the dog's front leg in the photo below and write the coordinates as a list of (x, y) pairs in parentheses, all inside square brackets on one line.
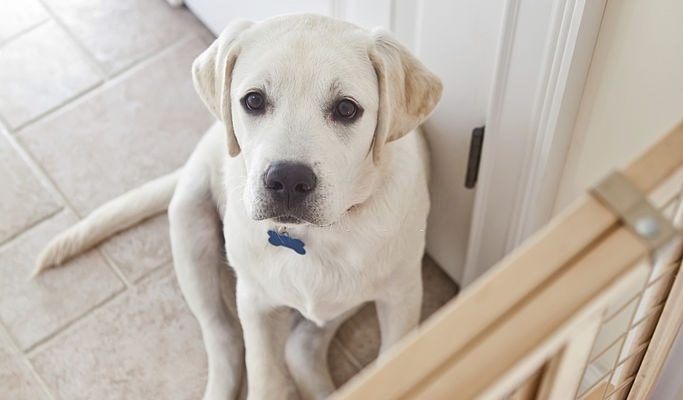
[(399, 311), (306, 355), (265, 333), (198, 257)]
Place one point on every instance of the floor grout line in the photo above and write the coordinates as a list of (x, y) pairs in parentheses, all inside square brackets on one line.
[(155, 55), (23, 31), (104, 77), (38, 378), (347, 353), (160, 271), (20, 356), (109, 75), (51, 17), (102, 86), (65, 102), (153, 270), (117, 270), (30, 226), (74, 324), (105, 81), (56, 193), (10, 339), (152, 54), (4, 125), (42, 175), (71, 325), (47, 181), (38, 171), (91, 59)]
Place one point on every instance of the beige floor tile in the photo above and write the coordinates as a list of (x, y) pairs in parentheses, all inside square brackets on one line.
[(360, 334), (16, 382), (41, 69), (141, 249), (439, 288), (23, 200), (119, 33), (142, 127), (17, 16), (342, 368), (143, 345), (31, 310)]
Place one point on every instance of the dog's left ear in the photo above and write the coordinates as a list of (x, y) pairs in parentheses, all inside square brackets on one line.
[(408, 91), (212, 76)]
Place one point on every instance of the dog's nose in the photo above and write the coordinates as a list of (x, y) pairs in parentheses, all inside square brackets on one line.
[(290, 181)]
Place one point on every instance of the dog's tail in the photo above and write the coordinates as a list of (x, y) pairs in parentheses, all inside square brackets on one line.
[(112, 217)]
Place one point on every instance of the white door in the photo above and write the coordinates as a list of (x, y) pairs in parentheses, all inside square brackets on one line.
[(457, 40)]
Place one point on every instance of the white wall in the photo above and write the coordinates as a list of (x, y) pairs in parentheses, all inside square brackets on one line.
[(634, 91), (216, 14)]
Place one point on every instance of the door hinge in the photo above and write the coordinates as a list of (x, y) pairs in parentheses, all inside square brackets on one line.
[(476, 145)]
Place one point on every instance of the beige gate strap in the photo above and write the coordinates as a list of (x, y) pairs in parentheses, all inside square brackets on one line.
[(632, 207)]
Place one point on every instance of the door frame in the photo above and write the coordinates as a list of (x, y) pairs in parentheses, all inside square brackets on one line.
[(545, 51)]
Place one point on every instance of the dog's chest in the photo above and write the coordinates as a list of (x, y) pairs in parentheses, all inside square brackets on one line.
[(321, 284)]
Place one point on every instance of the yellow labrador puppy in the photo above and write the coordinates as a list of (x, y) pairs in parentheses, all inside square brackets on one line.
[(315, 185)]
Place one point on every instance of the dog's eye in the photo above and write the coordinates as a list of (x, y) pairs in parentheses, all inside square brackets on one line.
[(345, 110), (254, 102)]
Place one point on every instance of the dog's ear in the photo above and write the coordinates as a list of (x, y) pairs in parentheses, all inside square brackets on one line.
[(408, 91), (212, 73)]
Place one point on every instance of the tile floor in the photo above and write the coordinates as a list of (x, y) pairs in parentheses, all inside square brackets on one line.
[(95, 99)]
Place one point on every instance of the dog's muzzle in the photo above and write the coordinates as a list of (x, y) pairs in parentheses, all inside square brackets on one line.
[(289, 192)]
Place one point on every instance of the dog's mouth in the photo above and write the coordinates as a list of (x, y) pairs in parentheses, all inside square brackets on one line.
[(281, 215), (288, 219)]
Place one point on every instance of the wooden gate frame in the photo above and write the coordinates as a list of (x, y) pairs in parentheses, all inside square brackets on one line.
[(536, 313)]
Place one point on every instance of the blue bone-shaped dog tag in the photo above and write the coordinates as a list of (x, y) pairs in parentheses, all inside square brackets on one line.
[(276, 240)]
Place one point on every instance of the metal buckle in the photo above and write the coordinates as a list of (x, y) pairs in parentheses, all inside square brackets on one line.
[(631, 206)]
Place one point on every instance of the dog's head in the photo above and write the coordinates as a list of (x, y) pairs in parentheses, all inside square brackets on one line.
[(310, 103)]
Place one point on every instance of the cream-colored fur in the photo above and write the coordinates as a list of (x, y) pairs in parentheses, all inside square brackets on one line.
[(113, 217), (365, 239)]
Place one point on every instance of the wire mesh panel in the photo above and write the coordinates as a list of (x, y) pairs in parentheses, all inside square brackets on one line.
[(626, 324), (631, 317)]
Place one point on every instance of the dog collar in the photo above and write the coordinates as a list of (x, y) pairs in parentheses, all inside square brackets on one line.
[(283, 239)]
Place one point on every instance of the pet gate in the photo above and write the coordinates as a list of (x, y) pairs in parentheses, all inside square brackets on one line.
[(586, 309)]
